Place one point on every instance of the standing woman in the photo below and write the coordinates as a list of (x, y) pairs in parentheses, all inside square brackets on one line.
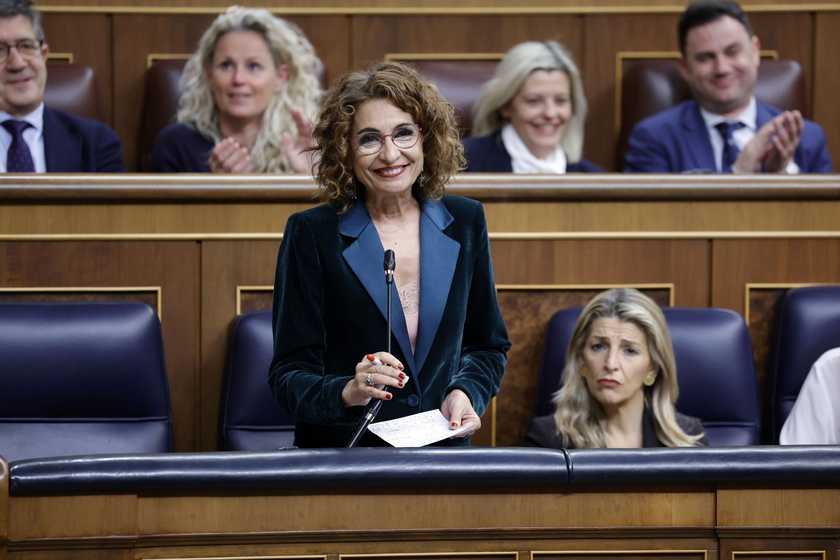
[(387, 145), (248, 97), (529, 117)]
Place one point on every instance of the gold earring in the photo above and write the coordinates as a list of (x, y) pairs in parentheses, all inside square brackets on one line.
[(650, 379), (582, 370)]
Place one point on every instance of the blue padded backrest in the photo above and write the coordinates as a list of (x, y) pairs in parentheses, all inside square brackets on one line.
[(250, 418), (82, 378), (807, 325), (715, 368)]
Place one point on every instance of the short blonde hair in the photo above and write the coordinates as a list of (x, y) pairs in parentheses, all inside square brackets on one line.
[(302, 90), (579, 418), (519, 63)]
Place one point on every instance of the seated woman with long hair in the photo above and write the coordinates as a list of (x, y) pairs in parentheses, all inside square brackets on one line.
[(619, 382), (248, 99)]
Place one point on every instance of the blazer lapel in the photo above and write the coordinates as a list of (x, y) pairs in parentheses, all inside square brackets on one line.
[(438, 259), (700, 146), (365, 257)]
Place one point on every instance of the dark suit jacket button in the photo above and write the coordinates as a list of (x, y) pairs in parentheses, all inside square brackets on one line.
[(413, 400)]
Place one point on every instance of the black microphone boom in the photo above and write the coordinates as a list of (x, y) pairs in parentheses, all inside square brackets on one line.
[(390, 265)]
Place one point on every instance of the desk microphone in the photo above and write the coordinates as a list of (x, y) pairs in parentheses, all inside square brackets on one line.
[(390, 265)]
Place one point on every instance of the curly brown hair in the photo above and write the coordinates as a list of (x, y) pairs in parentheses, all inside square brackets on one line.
[(406, 88)]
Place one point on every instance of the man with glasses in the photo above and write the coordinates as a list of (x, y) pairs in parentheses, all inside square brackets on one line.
[(35, 138)]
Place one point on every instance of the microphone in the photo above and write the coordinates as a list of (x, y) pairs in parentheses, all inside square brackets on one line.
[(390, 265)]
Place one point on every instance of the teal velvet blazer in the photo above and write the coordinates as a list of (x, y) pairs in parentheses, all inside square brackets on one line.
[(330, 310)]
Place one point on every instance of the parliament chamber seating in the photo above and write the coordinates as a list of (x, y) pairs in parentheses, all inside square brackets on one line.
[(82, 378), (250, 419), (807, 325), (650, 86), (73, 88), (715, 368)]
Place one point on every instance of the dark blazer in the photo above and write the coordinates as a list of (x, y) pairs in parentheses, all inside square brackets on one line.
[(75, 144), (676, 140), (487, 154), (543, 432), (330, 310), (180, 148)]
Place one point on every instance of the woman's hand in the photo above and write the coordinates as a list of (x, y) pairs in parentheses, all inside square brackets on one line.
[(371, 379), (300, 160), (458, 409), (229, 156)]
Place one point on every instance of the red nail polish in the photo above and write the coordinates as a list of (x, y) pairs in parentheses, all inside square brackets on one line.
[(402, 376), (401, 383), (388, 396), (454, 425), (400, 366)]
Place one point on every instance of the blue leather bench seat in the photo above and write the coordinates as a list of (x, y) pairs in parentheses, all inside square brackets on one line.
[(388, 468)]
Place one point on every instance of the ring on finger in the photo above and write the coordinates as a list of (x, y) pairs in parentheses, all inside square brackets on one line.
[(368, 381)]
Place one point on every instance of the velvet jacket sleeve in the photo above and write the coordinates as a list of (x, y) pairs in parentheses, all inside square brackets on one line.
[(485, 344), (298, 377)]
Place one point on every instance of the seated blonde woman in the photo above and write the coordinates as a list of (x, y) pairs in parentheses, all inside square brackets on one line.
[(619, 382), (529, 117), (248, 99)]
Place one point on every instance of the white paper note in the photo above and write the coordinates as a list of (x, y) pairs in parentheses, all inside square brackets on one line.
[(416, 430)]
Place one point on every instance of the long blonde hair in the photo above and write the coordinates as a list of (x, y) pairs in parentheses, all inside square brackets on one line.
[(302, 90), (579, 418)]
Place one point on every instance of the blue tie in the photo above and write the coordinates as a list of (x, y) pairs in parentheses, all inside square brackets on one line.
[(19, 158), (730, 150)]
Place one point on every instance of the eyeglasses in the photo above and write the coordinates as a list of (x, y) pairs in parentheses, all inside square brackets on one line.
[(404, 136), (26, 48)]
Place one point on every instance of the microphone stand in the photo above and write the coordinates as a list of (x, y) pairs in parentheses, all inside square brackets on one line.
[(390, 265)]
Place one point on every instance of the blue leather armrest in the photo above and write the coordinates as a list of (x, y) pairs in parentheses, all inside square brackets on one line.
[(704, 465), (328, 469)]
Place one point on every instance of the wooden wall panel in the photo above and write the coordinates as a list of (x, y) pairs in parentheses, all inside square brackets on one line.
[(86, 37), (225, 267), (826, 81), (376, 36), (605, 37), (750, 275), (89, 266)]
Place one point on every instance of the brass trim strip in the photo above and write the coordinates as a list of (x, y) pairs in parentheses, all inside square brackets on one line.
[(240, 289), (151, 58), (157, 290), (774, 286), (444, 56), (670, 286), (439, 10), (500, 236)]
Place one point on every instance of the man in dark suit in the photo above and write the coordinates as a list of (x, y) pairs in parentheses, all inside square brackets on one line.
[(34, 137), (724, 129)]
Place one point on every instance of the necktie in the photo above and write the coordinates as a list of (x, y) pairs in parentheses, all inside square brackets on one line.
[(19, 159), (730, 150)]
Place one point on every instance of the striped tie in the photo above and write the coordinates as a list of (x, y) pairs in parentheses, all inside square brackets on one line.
[(730, 150), (19, 159)]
